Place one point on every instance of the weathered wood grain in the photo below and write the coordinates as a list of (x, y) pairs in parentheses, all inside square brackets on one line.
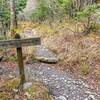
[(16, 43)]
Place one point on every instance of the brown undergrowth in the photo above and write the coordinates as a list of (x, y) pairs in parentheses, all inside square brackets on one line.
[(9, 91), (78, 53)]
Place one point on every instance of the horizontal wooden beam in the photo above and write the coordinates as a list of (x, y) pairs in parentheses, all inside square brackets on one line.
[(16, 43)]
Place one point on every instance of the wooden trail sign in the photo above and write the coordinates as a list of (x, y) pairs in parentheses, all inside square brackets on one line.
[(18, 44)]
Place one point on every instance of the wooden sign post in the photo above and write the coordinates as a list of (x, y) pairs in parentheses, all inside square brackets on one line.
[(18, 44)]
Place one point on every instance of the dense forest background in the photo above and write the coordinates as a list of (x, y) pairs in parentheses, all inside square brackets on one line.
[(76, 9)]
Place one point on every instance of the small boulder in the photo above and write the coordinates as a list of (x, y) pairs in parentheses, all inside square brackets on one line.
[(27, 85), (44, 54), (61, 98)]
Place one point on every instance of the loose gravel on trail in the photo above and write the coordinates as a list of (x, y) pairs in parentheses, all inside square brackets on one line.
[(63, 86)]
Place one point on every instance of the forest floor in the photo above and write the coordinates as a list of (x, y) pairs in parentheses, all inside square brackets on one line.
[(62, 85), (78, 53), (77, 74)]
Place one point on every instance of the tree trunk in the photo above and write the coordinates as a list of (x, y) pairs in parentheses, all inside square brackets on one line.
[(13, 15)]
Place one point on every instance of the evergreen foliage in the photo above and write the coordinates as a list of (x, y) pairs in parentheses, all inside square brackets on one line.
[(20, 5), (5, 12), (86, 12)]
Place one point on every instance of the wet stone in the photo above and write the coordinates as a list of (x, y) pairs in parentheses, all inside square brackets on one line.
[(61, 98)]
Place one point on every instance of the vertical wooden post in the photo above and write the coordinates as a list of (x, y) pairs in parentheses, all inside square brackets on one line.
[(20, 62)]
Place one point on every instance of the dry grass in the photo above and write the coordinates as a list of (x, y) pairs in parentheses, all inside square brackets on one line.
[(80, 54), (36, 92)]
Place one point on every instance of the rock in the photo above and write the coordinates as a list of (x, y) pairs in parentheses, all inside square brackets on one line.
[(15, 90), (91, 97), (86, 85), (27, 85), (47, 60), (61, 98), (11, 76), (43, 54)]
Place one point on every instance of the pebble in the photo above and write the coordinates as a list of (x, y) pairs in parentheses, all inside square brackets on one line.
[(11, 76), (27, 85), (15, 90), (91, 97), (61, 98), (65, 80)]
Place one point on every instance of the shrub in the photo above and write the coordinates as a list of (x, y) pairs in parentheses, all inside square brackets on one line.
[(50, 8), (20, 5), (87, 12), (41, 12), (86, 15)]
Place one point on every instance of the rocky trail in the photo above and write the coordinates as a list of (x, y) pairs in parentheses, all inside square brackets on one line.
[(62, 85)]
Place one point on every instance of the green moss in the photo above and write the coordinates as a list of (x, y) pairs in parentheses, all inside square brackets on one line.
[(12, 84), (33, 59), (97, 26), (2, 38), (84, 68), (12, 58), (5, 96), (31, 91)]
